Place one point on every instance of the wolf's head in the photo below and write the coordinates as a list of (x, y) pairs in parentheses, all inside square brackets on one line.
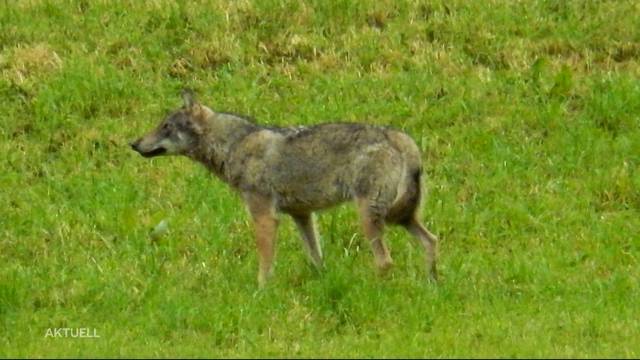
[(178, 133)]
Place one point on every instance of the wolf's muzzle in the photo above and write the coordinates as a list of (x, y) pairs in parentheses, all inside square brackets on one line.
[(155, 152)]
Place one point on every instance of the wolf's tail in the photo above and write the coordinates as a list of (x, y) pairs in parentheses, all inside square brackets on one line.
[(416, 194)]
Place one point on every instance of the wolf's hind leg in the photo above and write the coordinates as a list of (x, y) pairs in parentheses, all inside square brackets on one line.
[(265, 223), (373, 227), (305, 223), (428, 241)]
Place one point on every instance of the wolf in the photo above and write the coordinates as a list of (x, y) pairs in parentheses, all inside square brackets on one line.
[(300, 170)]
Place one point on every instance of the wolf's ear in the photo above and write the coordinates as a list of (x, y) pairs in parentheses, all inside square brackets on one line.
[(189, 98)]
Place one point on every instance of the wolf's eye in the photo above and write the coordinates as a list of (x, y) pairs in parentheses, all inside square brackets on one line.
[(165, 126)]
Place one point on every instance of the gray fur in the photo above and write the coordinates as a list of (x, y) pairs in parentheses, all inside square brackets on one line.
[(299, 170)]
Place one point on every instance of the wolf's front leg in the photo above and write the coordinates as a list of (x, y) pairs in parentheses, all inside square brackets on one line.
[(265, 221)]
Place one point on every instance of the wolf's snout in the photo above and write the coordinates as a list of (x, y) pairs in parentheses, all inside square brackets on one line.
[(142, 148), (134, 145)]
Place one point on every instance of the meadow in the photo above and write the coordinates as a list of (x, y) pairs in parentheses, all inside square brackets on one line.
[(527, 114)]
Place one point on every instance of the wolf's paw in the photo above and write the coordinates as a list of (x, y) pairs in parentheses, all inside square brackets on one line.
[(384, 267)]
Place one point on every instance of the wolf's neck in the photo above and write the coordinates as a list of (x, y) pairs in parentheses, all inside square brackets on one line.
[(220, 134)]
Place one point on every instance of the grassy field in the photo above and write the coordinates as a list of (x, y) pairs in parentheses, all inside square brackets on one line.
[(527, 113)]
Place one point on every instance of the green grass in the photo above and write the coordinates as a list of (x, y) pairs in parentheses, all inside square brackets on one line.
[(527, 114)]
